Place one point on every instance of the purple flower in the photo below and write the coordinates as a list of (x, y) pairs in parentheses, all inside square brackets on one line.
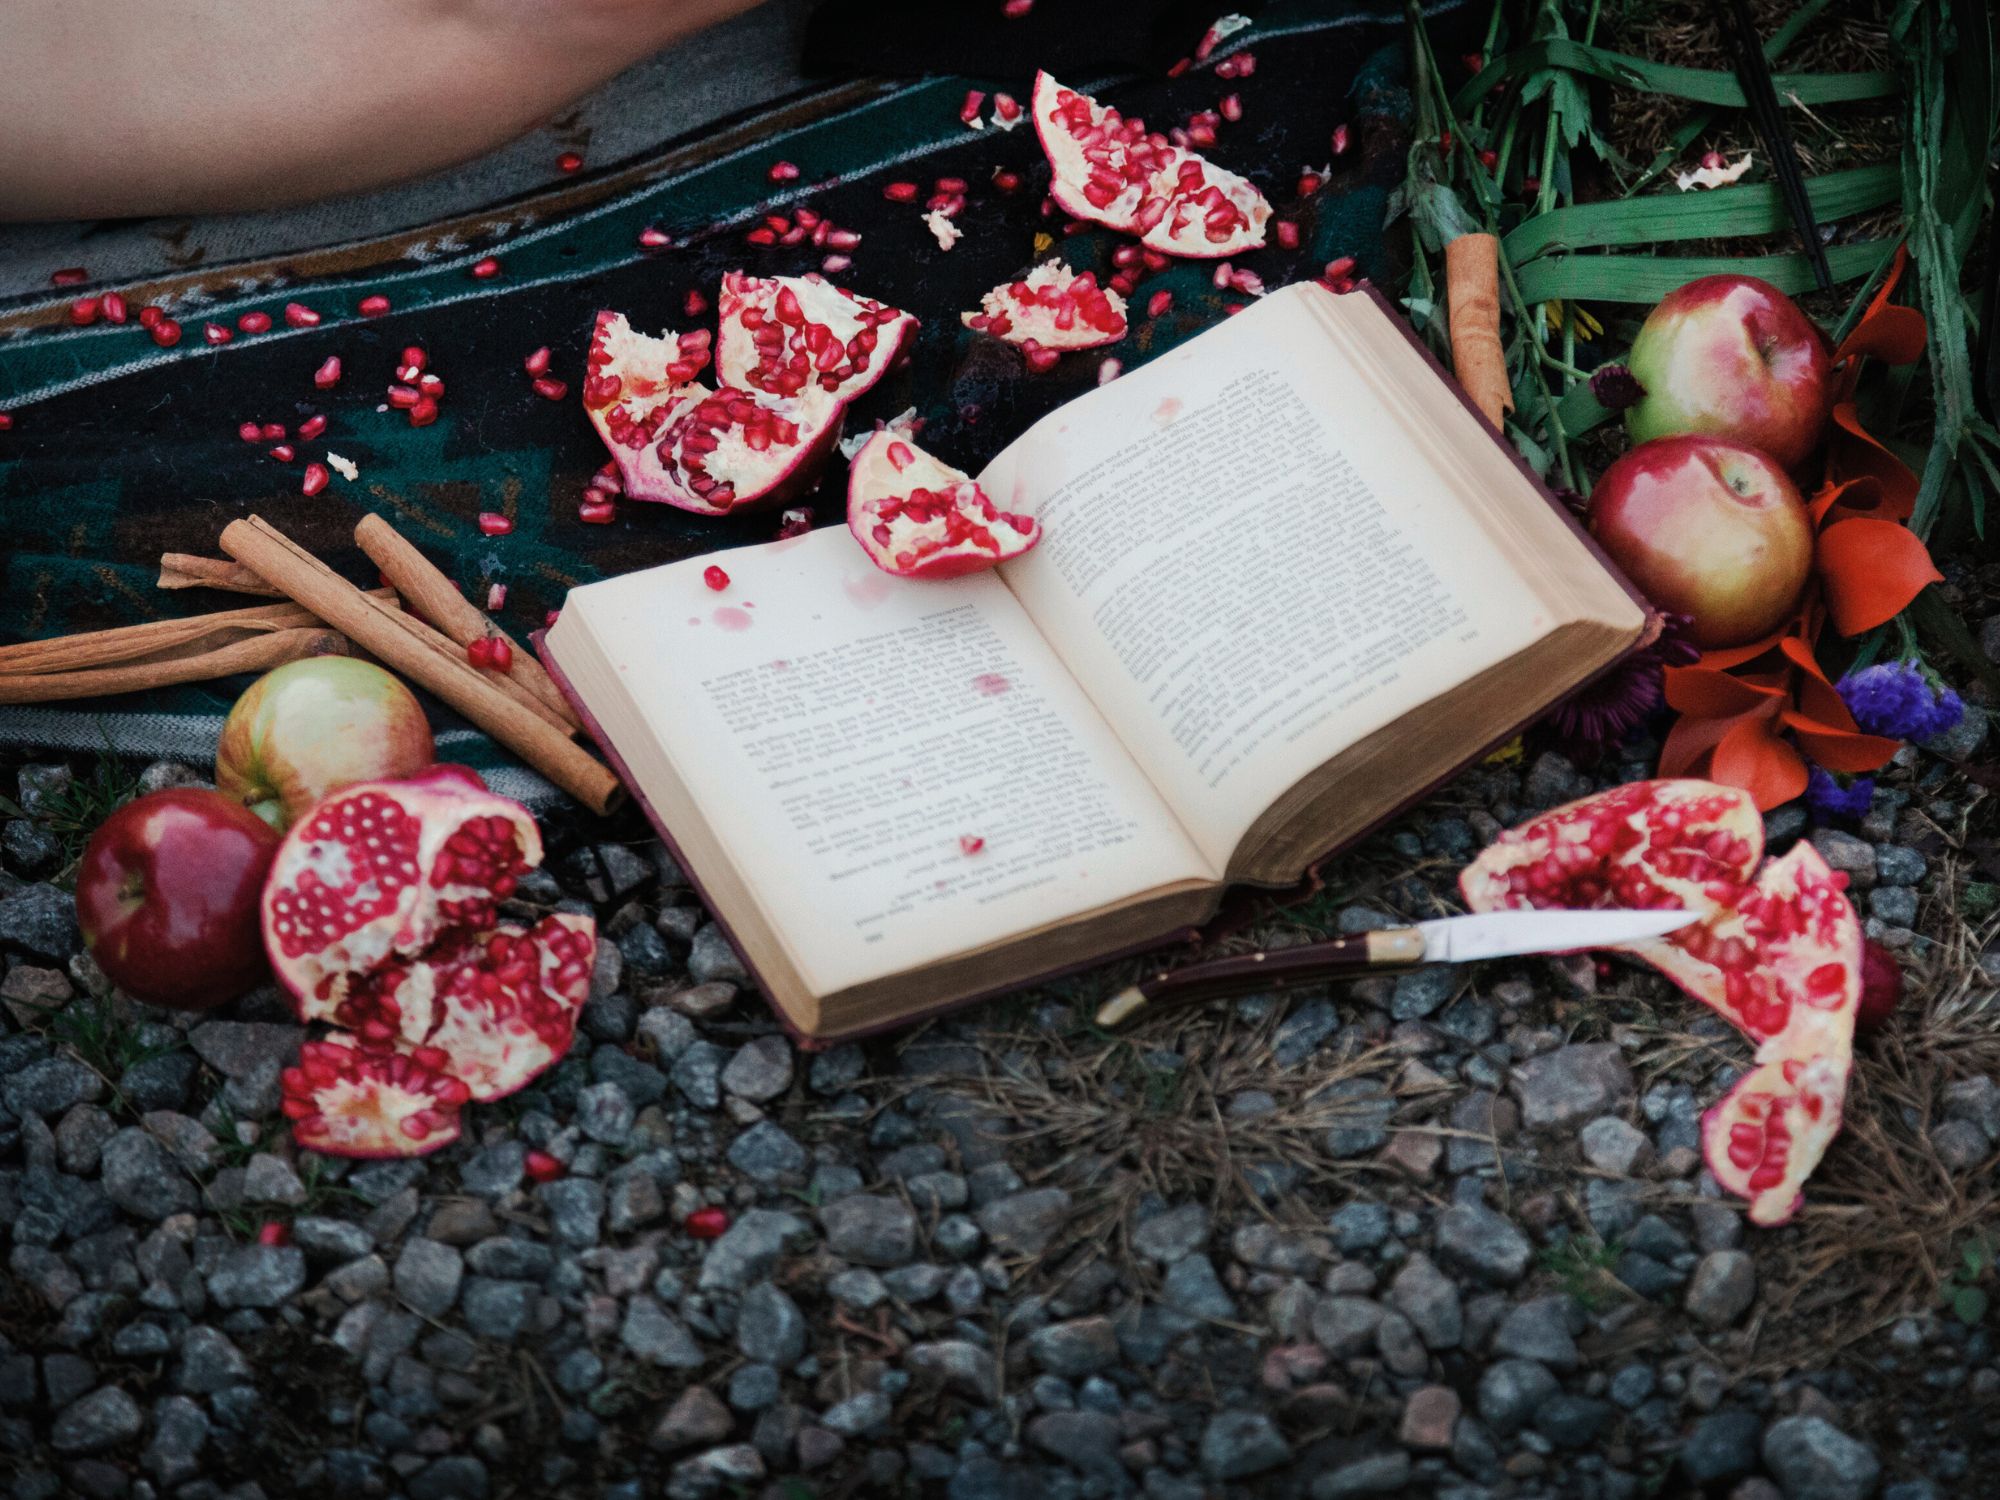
[(1829, 800), (1896, 699), (1601, 714)]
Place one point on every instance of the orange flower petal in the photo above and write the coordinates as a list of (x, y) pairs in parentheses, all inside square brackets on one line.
[(1894, 335), (1752, 756), (1845, 750), (1709, 694), (1853, 453), (1870, 571)]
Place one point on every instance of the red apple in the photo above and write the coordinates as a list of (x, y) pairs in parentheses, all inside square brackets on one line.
[(312, 727), (1707, 528), (167, 897), (1732, 357)]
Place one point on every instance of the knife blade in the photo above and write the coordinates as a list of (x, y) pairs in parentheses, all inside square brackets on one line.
[(1466, 939)]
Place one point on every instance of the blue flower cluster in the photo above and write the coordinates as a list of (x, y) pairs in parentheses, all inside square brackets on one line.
[(1897, 700), (1829, 800)]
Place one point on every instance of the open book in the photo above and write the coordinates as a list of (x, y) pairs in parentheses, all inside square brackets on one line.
[(1288, 581)]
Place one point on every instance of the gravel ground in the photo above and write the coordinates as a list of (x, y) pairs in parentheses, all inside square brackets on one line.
[(1445, 1235)]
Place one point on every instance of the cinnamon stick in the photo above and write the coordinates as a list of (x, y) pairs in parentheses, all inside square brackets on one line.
[(256, 653), (1472, 301), (184, 570), (132, 643), (444, 646), (434, 597), (303, 577)]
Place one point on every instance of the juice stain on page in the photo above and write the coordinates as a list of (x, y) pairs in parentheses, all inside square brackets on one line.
[(991, 684), (729, 617), (866, 590), (1168, 409)]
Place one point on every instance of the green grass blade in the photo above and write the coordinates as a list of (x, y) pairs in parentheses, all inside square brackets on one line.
[(1717, 213), (1647, 278), (1697, 85)]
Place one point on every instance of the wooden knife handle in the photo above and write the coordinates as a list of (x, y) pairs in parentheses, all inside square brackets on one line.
[(1269, 969)]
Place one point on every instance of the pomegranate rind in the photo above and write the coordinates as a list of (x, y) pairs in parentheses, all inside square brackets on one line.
[(630, 394), (1107, 169), (769, 344), (343, 1100), (1763, 1139), (440, 851), (507, 1002), (918, 517), (1054, 307)]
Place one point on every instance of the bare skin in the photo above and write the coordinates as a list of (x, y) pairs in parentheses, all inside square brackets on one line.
[(204, 106)]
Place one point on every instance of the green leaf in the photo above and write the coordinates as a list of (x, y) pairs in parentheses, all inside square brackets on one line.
[(1974, 1256), (1716, 213), (1648, 278), (1698, 85), (1969, 1304)]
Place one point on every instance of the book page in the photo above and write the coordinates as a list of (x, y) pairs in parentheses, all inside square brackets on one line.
[(901, 770), (1249, 563)]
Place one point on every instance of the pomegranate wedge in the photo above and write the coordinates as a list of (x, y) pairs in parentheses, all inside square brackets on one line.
[(781, 334), (633, 384), (343, 1101), (1052, 307), (916, 517), (507, 1001)]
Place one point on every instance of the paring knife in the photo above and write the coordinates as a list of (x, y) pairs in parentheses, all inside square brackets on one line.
[(1449, 940)]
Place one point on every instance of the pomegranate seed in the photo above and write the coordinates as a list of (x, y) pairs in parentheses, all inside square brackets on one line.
[(969, 110), (403, 397), (1341, 266), (1180, 67), (492, 523), (970, 843), (316, 479), (166, 333), (569, 161), (250, 432), (424, 412), (480, 652), (500, 654), (715, 578), (1288, 234), (901, 192), (298, 315), (1154, 260), (549, 619), (113, 307), (1473, 62), (712, 1223), (538, 362), (695, 304), (1006, 181), (1006, 107), (215, 333), (272, 432), (254, 322), (596, 512), (372, 307), (485, 268), (1233, 308), (1444, 141), (783, 171), (1713, 159), (1340, 139), (543, 1167), (1489, 159), (1158, 303), (311, 428), (327, 376), (551, 389), (1231, 107), (274, 1234), (283, 453), (69, 276), (762, 236), (1040, 360), (1310, 183), (430, 385), (6, 421), (414, 358), (83, 311), (655, 238), (496, 596), (833, 265)]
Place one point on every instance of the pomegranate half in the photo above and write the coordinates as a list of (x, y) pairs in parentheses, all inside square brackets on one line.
[(917, 517)]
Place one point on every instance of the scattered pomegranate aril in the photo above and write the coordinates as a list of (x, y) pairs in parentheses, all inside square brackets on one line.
[(215, 333), (298, 315), (1341, 137), (652, 237), (496, 597), (315, 479), (492, 523), (423, 412), (1006, 180), (1006, 108), (1231, 108), (901, 192), (373, 306), (485, 268), (970, 843), (1287, 233), (274, 1233), (404, 397), (542, 1167), (272, 432), (6, 421), (549, 388), (250, 432), (1310, 183), (430, 385), (69, 276), (284, 453), (695, 303), (166, 333), (783, 171), (795, 522), (596, 512), (113, 307), (327, 376), (968, 111), (569, 161), (1158, 303), (83, 312), (538, 362), (712, 1223), (1489, 159), (254, 322), (715, 578), (1013, 10), (312, 427)]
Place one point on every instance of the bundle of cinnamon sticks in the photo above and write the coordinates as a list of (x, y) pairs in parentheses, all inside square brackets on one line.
[(418, 626)]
